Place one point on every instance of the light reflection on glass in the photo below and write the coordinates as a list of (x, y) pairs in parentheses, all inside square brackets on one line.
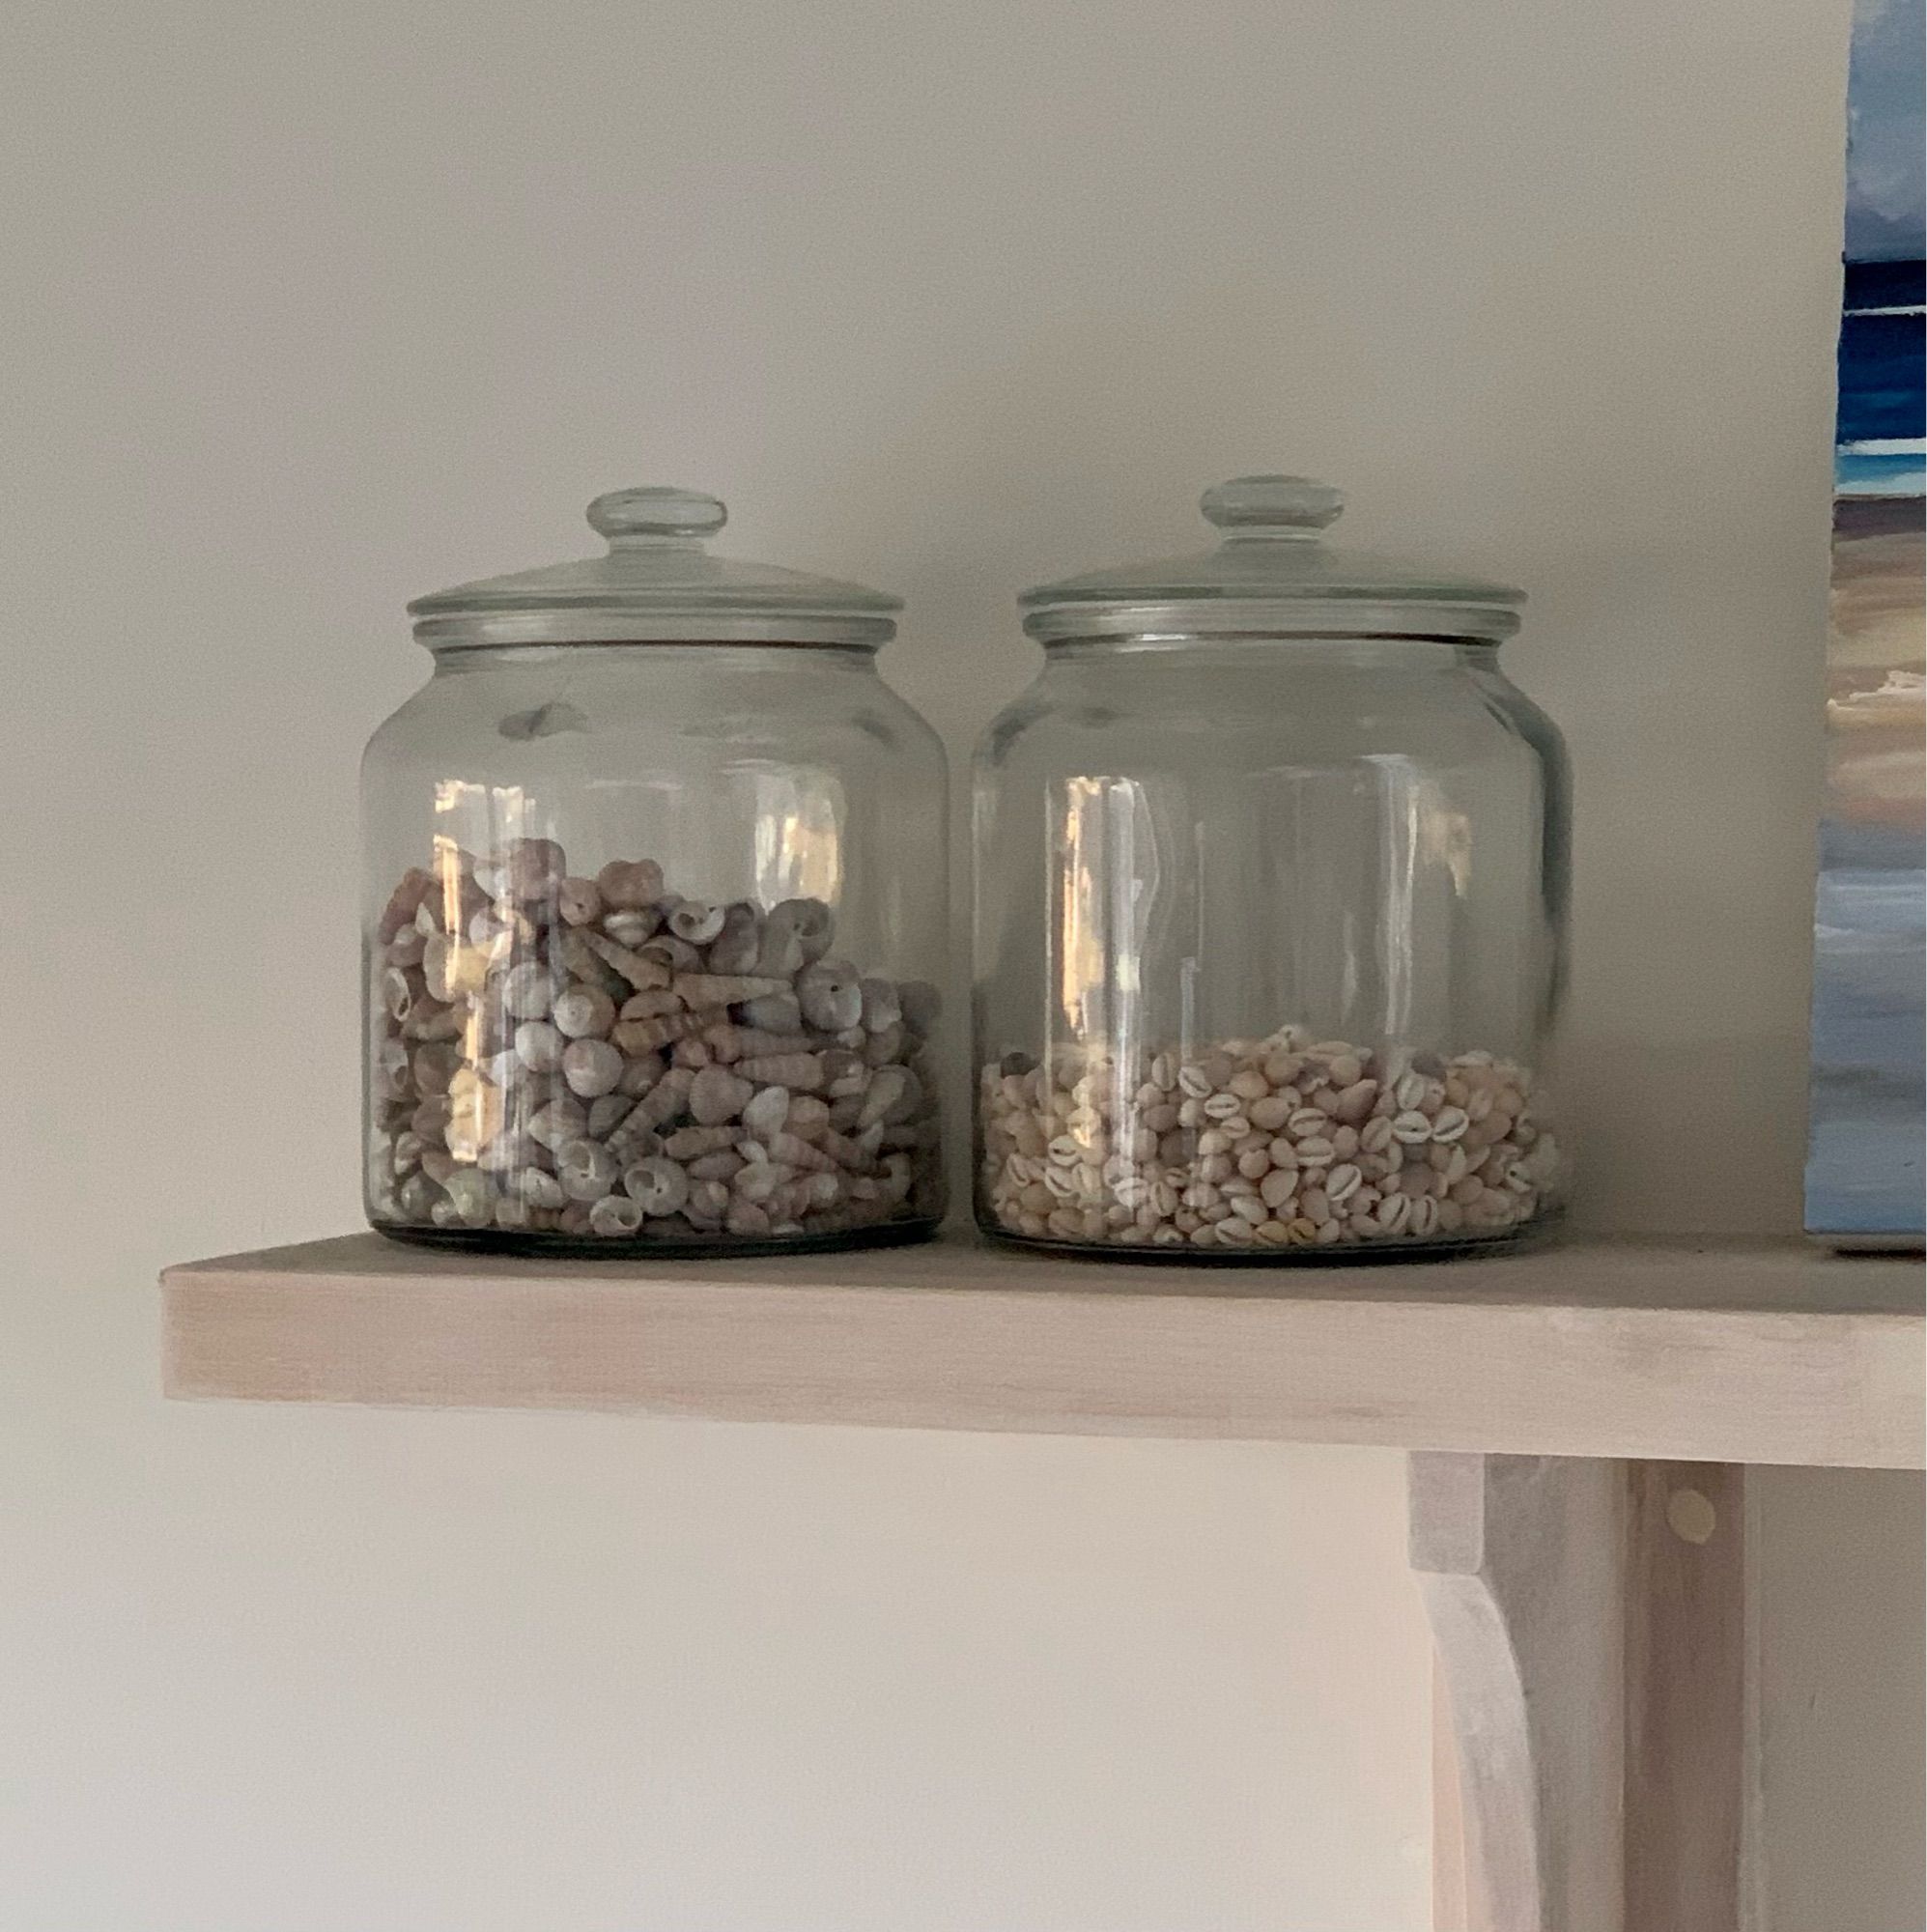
[(798, 841), (1422, 835), (1102, 901)]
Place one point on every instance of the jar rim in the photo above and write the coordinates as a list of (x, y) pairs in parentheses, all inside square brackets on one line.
[(1284, 620)]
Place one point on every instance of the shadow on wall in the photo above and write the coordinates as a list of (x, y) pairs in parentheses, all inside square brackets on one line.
[(1842, 1557), (1651, 1128)]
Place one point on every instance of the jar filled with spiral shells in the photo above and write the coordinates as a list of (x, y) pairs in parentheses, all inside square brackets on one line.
[(654, 911), (1271, 883)]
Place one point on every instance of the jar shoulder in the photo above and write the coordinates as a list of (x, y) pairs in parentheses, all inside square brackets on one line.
[(1279, 713), (644, 705)]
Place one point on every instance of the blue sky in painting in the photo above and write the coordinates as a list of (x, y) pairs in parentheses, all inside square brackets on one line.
[(1883, 406), (1868, 1146), (1884, 133), (1878, 437)]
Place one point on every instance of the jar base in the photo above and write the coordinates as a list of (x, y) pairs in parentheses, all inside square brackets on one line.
[(545, 1245), (1542, 1231)]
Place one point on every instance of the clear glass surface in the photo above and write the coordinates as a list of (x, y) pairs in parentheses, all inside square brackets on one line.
[(1269, 950), (652, 941)]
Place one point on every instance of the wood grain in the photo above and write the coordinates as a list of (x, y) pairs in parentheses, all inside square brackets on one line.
[(1711, 1352), (1519, 1559), (1688, 1761), (1451, 1909), (1597, 1656)]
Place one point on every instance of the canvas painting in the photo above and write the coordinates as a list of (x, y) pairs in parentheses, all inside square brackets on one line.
[(1864, 1167)]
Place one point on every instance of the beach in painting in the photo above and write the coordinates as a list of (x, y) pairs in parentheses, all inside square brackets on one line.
[(1865, 1160)]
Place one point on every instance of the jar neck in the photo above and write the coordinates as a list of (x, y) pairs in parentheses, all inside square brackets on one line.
[(719, 658), (1362, 653)]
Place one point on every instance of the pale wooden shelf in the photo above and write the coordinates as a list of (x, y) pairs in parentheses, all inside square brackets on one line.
[(1714, 1351), (1580, 1419)]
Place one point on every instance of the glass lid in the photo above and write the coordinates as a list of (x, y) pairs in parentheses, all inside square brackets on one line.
[(659, 583), (1271, 574)]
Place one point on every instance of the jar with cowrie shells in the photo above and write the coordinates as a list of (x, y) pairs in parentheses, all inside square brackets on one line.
[(655, 911), (1271, 882)]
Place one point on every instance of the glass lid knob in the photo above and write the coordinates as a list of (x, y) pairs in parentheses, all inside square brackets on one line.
[(1282, 506), (658, 514)]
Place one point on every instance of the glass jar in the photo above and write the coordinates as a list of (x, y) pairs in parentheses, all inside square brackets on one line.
[(1271, 884), (654, 911)]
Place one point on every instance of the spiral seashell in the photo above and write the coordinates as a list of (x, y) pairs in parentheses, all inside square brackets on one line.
[(808, 923), (882, 1004), (640, 1072), (663, 1101), (723, 990), (592, 1067), (639, 969), (640, 1036), (500, 1069), (716, 1095), (802, 1072), (631, 929), (578, 901), (651, 1004), (508, 1152), (804, 1156), (696, 923), (401, 989), (450, 969), (659, 1186), (774, 1012), (759, 1180), (630, 884), (730, 1042), (780, 953), (571, 956), (844, 1073), (852, 1157), (614, 1214), (831, 994), (606, 1113), (583, 1012), (737, 947), (901, 1094), (673, 953), (526, 991), (532, 870), (745, 1218), (561, 1121), (707, 1204), (538, 1046), (415, 889), (883, 1047), (921, 1005), (765, 1113), (586, 1168), (693, 1142), (417, 1197)]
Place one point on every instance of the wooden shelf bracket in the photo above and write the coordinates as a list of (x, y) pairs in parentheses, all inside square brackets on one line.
[(1590, 1617)]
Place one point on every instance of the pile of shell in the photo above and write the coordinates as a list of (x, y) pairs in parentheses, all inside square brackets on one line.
[(601, 1058), (1263, 1144)]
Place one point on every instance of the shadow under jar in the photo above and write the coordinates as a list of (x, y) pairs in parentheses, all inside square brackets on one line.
[(654, 911), (1270, 902)]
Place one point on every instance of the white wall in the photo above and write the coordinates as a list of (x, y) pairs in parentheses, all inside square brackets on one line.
[(312, 309)]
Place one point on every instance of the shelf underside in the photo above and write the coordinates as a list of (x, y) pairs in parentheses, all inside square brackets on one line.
[(1713, 1350)]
